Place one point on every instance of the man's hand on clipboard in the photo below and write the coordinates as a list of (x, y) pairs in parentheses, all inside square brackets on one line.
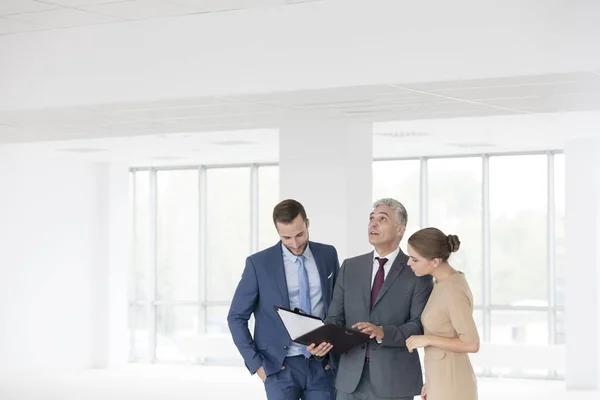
[(320, 350), (375, 332)]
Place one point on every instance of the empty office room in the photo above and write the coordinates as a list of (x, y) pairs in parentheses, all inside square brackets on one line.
[(145, 143)]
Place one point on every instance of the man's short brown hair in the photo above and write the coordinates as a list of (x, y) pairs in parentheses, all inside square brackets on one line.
[(287, 211)]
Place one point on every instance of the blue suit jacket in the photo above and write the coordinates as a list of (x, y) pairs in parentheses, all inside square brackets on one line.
[(263, 285)]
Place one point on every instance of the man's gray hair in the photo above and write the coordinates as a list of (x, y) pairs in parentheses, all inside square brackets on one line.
[(396, 206)]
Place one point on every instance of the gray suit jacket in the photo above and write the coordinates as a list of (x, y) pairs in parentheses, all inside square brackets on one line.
[(394, 372)]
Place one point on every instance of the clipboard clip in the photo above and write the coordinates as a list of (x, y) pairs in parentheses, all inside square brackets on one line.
[(300, 311)]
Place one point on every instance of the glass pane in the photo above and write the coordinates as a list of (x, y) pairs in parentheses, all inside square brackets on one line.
[(518, 208), (519, 327), (175, 324), (559, 202), (559, 326), (478, 317), (228, 224), (138, 332), (217, 320), (400, 180), (141, 204), (177, 205), (455, 207), (268, 197)]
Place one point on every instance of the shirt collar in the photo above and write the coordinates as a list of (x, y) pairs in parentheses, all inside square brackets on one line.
[(288, 254), (392, 256)]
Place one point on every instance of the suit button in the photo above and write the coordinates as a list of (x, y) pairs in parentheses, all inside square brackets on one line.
[(363, 346), (285, 347)]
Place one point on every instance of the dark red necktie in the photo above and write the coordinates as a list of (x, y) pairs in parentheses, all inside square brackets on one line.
[(378, 282)]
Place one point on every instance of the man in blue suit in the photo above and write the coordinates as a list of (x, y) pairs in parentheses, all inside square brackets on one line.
[(295, 273)]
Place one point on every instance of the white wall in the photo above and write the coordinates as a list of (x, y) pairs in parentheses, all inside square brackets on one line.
[(582, 302), (54, 263), (312, 45)]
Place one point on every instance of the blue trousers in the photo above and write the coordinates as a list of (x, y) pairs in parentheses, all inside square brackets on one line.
[(302, 378)]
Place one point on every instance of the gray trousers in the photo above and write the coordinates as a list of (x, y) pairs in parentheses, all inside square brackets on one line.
[(364, 391)]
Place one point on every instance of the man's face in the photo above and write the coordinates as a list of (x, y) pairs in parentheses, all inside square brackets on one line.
[(294, 235), (384, 229)]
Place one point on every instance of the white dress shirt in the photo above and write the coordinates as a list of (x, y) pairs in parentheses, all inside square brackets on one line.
[(386, 267)]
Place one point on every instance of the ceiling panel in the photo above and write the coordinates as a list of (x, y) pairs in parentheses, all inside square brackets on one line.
[(334, 97), (12, 26), (362, 103), (157, 105), (53, 14), (537, 90), (199, 111), (556, 103), (223, 5), (224, 119), (141, 9), (79, 3), (63, 18), (500, 81), (23, 6)]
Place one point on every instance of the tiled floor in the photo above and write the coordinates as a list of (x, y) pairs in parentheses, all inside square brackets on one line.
[(158, 382)]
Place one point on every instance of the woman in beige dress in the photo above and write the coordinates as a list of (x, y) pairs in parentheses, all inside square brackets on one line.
[(450, 331)]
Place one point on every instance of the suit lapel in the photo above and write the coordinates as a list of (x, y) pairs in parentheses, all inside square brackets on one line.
[(322, 267), (397, 267), (279, 274), (367, 279)]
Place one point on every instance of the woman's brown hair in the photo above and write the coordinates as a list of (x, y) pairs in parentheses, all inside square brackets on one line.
[(432, 243)]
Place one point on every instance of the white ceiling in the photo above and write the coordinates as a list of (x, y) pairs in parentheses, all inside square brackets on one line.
[(521, 95), (397, 139), (18, 16), (458, 117)]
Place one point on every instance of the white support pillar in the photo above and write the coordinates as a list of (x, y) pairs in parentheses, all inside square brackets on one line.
[(582, 308), (327, 166)]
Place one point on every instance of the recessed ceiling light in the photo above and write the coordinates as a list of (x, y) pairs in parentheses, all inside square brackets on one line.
[(83, 150), (233, 143), (167, 158), (401, 134), (473, 144)]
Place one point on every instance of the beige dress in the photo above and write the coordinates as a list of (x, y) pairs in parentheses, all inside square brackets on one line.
[(449, 313)]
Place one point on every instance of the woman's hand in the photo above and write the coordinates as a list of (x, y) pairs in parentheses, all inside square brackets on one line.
[(424, 392), (416, 342)]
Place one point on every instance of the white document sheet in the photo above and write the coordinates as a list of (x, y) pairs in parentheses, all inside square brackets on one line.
[(297, 324)]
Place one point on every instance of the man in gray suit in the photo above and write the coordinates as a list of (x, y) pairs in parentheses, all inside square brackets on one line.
[(378, 294)]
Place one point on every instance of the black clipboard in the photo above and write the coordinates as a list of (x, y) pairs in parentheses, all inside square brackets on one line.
[(308, 329)]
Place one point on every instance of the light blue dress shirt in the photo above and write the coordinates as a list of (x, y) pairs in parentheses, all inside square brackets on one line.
[(293, 287)]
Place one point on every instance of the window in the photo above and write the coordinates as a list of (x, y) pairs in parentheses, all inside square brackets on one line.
[(559, 235), (177, 235), (508, 211), (401, 181), (455, 206), (140, 284), (518, 215), (228, 229), (193, 229), (268, 197)]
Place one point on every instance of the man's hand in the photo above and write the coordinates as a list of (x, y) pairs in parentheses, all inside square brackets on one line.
[(261, 373), (370, 329), (424, 392), (416, 342), (320, 350)]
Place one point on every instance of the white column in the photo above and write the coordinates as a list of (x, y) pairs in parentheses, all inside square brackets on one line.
[(582, 175), (327, 166), (120, 263)]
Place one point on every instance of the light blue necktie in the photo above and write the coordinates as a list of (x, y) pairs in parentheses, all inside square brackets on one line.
[(304, 293)]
